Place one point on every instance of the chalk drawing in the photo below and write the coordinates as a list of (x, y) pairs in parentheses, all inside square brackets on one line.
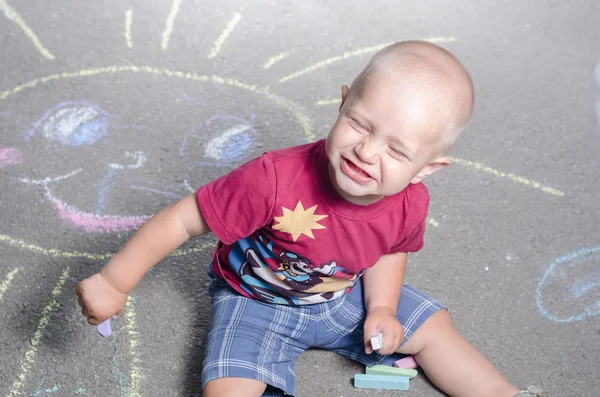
[(325, 102), (31, 354), (6, 282), (139, 158), (13, 15), (53, 252), (135, 374), (228, 29), (511, 177), (166, 36), (570, 289), (296, 110), (350, 54), (276, 58), (9, 156), (227, 148), (432, 222), (72, 124), (128, 20)]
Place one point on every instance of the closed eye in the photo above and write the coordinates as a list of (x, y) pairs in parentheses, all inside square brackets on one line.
[(396, 153), (359, 127)]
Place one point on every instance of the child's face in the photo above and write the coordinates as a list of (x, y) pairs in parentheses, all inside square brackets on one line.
[(382, 141)]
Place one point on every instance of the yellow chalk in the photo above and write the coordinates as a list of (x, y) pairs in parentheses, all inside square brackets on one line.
[(31, 354), (228, 29), (328, 102), (274, 59), (22, 244), (509, 176), (15, 16), (166, 36), (128, 20), (135, 374), (7, 281), (350, 54)]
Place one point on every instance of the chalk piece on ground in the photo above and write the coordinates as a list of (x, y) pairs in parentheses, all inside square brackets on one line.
[(391, 371), (381, 382), (104, 329), (377, 341), (407, 362)]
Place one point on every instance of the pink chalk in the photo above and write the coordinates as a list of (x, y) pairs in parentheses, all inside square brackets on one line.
[(407, 362)]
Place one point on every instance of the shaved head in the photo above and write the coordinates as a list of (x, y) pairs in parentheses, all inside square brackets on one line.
[(432, 72)]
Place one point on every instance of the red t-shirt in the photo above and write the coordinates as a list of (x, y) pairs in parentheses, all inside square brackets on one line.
[(286, 236)]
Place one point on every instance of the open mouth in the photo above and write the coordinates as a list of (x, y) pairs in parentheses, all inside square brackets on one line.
[(355, 172)]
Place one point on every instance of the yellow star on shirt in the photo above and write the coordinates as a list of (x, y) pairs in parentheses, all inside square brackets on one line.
[(299, 221)]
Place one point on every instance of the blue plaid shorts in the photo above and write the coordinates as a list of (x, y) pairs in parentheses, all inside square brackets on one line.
[(256, 340)]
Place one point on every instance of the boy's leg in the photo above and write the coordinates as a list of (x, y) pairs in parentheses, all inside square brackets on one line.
[(447, 358), (234, 387), (251, 346), (452, 363)]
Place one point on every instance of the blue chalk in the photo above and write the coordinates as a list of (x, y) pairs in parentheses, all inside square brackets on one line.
[(382, 382)]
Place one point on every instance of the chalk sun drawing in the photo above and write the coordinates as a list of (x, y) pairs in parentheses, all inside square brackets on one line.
[(216, 142), (570, 289)]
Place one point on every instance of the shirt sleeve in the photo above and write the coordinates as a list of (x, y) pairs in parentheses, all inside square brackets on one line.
[(240, 202), (414, 231)]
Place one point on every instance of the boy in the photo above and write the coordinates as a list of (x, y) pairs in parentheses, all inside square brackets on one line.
[(313, 240)]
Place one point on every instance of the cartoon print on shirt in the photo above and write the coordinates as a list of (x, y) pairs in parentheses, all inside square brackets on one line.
[(286, 277), (299, 221)]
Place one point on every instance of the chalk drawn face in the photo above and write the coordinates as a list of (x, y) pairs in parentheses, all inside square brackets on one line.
[(104, 163)]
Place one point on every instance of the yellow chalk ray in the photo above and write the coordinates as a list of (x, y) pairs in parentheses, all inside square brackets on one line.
[(509, 176), (350, 54), (224, 35), (325, 102), (166, 36), (11, 13), (276, 58), (432, 222), (31, 354), (6, 282), (135, 374), (128, 21)]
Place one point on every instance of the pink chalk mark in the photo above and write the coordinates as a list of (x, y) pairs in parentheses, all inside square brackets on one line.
[(9, 156), (98, 223)]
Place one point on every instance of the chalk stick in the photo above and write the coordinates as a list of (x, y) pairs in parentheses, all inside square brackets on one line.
[(104, 329), (377, 341), (391, 371), (407, 362), (381, 382)]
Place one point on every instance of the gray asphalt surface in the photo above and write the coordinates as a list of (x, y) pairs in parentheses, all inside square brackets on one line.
[(107, 114)]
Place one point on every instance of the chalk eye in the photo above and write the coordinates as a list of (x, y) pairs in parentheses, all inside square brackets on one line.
[(73, 124), (232, 145)]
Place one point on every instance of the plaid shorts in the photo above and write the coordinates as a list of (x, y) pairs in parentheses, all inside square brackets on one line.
[(256, 340)]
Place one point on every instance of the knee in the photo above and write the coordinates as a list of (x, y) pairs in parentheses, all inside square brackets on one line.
[(234, 387), (434, 329)]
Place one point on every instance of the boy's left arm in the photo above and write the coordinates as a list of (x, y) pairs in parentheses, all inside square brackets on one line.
[(382, 284)]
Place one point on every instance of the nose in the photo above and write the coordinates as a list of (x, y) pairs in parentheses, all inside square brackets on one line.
[(368, 149)]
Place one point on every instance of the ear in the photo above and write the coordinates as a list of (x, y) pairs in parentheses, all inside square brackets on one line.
[(432, 167), (345, 91)]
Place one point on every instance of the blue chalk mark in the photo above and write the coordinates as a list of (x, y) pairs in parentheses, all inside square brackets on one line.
[(168, 194), (576, 290), (229, 147), (72, 124), (104, 188)]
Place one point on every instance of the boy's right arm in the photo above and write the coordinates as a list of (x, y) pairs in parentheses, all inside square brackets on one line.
[(105, 294)]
